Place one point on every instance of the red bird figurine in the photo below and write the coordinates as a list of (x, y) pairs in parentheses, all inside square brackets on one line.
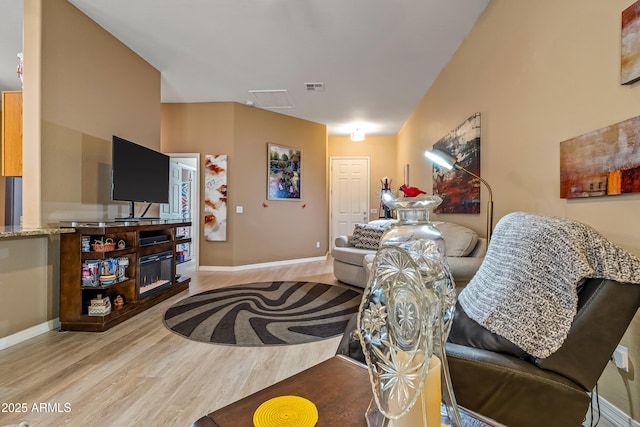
[(411, 191)]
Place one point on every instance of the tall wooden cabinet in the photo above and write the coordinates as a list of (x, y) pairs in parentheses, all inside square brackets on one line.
[(12, 133), (144, 257)]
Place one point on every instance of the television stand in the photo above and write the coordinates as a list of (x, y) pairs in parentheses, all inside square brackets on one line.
[(79, 285)]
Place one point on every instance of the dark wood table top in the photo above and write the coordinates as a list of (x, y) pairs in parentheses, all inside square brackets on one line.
[(339, 387)]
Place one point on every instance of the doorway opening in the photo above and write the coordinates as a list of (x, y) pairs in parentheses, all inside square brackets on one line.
[(184, 202)]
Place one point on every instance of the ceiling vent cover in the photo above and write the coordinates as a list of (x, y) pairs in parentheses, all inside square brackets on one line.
[(315, 87), (278, 98)]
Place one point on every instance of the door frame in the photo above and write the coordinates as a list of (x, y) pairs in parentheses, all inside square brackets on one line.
[(195, 219), (331, 213)]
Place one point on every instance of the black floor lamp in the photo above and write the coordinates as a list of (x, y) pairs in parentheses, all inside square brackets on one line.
[(447, 161)]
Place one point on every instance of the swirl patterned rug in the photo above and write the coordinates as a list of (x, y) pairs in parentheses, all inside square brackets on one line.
[(267, 313)]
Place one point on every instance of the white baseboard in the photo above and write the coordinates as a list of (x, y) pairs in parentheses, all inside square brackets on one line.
[(31, 332), (614, 415), (260, 265)]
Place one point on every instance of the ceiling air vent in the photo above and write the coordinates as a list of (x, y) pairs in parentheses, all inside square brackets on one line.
[(315, 87), (278, 98)]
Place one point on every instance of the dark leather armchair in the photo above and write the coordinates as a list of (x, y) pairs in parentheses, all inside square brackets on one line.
[(494, 378)]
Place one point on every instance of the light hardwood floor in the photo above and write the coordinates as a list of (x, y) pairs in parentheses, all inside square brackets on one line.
[(141, 374)]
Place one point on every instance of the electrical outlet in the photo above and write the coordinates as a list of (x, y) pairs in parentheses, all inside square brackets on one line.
[(621, 358), (317, 244)]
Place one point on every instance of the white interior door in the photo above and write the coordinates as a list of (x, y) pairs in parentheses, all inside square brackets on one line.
[(184, 199), (171, 210), (349, 194)]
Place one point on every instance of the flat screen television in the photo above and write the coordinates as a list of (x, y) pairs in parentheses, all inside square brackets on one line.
[(138, 174)]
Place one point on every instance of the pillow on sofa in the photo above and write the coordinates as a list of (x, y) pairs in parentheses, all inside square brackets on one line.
[(367, 236), (459, 239)]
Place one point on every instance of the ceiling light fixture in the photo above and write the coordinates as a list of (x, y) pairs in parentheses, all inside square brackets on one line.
[(357, 135)]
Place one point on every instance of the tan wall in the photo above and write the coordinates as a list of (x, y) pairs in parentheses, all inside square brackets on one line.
[(28, 295), (82, 85), (539, 73), (91, 87), (381, 151), (285, 229)]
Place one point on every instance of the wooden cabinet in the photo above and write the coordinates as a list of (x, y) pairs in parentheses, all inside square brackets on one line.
[(143, 263), (12, 133)]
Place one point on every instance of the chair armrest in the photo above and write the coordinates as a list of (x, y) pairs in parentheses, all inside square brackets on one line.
[(502, 387)]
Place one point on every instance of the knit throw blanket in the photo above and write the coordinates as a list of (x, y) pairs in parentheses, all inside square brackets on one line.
[(526, 288)]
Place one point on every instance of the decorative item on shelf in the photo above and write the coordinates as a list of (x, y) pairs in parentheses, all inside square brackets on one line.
[(108, 271), (107, 279), (86, 244), (119, 301), (91, 272), (395, 327), (123, 263), (99, 306), (101, 245), (415, 234), (122, 244)]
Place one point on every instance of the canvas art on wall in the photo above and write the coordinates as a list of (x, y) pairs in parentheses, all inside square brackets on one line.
[(460, 192), (215, 197), (630, 51), (603, 162), (284, 173)]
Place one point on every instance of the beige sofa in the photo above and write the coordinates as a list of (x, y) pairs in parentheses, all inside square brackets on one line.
[(465, 252)]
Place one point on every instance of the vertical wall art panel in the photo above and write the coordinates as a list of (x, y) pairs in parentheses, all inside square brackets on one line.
[(602, 162), (215, 197), (630, 52), (460, 192)]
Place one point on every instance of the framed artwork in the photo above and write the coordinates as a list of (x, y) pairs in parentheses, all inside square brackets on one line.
[(630, 51), (215, 197), (284, 180), (603, 162), (460, 191)]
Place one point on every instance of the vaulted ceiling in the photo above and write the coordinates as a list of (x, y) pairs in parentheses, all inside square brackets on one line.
[(369, 61)]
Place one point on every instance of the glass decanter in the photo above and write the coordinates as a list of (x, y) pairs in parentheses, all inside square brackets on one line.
[(414, 233), (395, 328)]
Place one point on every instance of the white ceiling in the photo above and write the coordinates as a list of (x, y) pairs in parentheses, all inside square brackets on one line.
[(377, 58)]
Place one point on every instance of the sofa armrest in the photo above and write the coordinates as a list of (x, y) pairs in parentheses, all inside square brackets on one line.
[(344, 241), (463, 268), (480, 250)]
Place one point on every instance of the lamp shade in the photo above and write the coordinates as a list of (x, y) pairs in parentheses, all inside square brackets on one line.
[(441, 158)]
